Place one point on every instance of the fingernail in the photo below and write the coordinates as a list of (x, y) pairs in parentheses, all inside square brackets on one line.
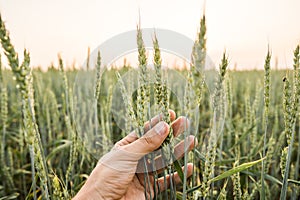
[(160, 128)]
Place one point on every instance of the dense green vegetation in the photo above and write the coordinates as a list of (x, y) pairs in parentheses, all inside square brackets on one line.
[(55, 125), (243, 130)]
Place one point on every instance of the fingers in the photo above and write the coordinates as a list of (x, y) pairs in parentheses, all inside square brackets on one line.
[(150, 141), (174, 177), (131, 137), (180, 125), (149, 124), (179, 151), (181, 147)]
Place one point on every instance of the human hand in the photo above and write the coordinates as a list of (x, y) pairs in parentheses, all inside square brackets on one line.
[(118, 174)]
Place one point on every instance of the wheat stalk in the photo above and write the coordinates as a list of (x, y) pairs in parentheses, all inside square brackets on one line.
[(266, 116), (143, 87), (198, 60), (290, 116), (218, 106), (4, 114), (24, 80)]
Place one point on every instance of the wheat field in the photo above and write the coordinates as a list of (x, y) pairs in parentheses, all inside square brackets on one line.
[(246, 124)]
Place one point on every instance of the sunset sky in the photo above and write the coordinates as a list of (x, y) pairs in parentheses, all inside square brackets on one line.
[(243, 27)]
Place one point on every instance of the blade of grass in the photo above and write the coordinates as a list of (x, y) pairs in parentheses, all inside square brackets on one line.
[(230, 172)]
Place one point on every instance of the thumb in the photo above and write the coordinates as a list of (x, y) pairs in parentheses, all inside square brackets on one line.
[(150, 141)]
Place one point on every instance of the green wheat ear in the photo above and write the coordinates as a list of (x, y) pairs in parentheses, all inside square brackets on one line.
[(218, 107), (25, 85), (283, 159), (98, 77), (296, 72), (4, 117), (158, 74), (162, 103), (237, 192), (161, 90), (130, 115), (266, 114), (198, 59), (290, 113), (143, 97), (57, 193), (287, 108), (10, 52)]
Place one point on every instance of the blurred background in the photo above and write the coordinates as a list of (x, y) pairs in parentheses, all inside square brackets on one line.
[(243, 28)]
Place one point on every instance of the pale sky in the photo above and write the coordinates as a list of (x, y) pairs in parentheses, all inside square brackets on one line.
[(243, 27)]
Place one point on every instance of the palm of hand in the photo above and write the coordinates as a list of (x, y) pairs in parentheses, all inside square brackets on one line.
[(120, 173)]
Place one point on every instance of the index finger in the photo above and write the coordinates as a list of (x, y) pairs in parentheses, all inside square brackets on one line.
[(131, 137)]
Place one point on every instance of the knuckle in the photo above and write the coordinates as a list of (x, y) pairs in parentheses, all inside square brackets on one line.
[(149, 142)]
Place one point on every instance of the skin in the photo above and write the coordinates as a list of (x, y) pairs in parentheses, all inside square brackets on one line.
[(120, 173)]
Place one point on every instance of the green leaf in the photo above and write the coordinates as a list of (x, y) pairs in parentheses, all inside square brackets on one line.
[(235, 170), (266, 176), (230, 172), (179, 170), (64, 144)]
